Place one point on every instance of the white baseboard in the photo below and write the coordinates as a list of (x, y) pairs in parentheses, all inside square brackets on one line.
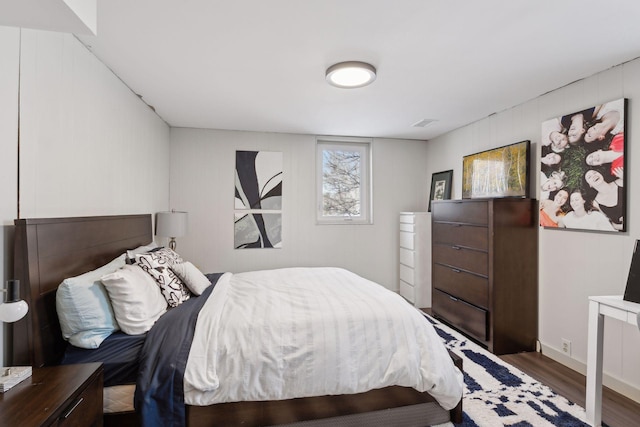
[(613, 383)]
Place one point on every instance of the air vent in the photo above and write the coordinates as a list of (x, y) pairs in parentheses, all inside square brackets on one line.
[(422, 123)]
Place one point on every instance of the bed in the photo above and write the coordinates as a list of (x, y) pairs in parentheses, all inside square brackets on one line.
[(49, 250)]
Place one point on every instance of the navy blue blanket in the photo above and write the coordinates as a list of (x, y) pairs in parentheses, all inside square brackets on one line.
[(159, 396), (119, 354)]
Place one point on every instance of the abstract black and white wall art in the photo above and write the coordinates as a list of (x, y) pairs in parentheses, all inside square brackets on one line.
[(257, 230), (258, 200), (258, 180)]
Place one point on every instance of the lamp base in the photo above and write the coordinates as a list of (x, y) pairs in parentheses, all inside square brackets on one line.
[(172, 243)]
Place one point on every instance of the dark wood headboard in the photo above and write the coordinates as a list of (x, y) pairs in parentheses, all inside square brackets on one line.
[(49, 250)]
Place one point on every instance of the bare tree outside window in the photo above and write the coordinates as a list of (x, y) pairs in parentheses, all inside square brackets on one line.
[(343, 181), (341, 173)]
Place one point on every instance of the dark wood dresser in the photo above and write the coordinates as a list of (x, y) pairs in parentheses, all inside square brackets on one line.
[(485, 270)]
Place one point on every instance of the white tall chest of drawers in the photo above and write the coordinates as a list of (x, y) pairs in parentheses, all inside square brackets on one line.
[(415, 258)]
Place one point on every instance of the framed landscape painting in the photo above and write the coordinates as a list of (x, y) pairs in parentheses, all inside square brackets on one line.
[(583, 170), (499, 172)]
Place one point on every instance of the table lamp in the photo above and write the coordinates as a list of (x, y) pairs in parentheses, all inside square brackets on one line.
[(13, 308), (171, 224)]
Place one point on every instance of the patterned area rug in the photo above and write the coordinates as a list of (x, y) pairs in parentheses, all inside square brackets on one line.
[(498, 394)]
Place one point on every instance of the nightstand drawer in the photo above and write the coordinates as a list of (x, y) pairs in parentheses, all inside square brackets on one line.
[(86, 409), (471, 288), (469, 212), (461, 258), (467, 317), (470, 236)]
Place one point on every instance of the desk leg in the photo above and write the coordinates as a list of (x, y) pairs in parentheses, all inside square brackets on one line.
[(594, 365)]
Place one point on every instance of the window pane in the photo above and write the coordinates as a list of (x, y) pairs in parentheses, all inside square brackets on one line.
[(343, 181), (341, 178)]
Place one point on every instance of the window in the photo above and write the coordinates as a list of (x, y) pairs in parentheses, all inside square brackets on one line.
[(344, 175)]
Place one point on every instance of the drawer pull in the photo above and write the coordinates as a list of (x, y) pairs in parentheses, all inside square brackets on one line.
[(455, 270), (453, 299), (457, 248), (68, 413)]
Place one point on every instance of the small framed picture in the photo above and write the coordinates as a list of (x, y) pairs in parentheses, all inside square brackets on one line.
[(440, 186)]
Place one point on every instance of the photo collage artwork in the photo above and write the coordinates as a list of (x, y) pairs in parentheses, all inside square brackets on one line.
[(582, 169)]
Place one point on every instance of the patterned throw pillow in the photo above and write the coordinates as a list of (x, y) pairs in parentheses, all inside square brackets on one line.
[(158, 264)]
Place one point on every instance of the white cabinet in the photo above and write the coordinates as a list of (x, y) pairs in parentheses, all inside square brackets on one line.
[(415, 258)]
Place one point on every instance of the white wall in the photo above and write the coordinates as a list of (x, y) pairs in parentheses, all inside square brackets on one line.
[(202, 183), (88, 145), (573, 265), (9, 62)]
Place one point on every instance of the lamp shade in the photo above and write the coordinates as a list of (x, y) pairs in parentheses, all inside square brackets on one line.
[(171, 224), (13, 308)]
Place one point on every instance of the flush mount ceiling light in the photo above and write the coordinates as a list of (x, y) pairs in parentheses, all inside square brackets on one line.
[(351, 74)]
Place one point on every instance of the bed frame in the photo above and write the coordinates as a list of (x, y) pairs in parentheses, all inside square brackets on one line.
[(49, 250)]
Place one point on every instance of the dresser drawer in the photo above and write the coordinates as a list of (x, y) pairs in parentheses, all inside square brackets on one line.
[(407, 291), (407, 218), (467, 212), (461, 258), (407, 240), (471, 236), (407, 274), (467, 317), (407, 227), (471, 288), (85, 409), (407, 257)]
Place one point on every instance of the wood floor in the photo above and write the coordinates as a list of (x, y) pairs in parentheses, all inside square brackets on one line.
[(617, 410)]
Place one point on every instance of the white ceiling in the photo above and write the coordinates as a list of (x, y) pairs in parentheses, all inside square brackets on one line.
[(259, 65), (70, 16)]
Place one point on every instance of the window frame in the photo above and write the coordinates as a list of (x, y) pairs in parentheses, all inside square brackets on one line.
[(365, 147)]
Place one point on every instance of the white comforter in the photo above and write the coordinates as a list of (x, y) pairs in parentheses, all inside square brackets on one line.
[(299, 332)]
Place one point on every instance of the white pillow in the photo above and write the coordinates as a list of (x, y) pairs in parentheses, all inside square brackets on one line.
[(131, 254), (85, 313), (136, 299), (192, 277)]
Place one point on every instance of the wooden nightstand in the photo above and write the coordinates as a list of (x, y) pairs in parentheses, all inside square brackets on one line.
[(64, 396)]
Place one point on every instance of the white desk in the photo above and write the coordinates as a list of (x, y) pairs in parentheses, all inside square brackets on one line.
[(617, 308)]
